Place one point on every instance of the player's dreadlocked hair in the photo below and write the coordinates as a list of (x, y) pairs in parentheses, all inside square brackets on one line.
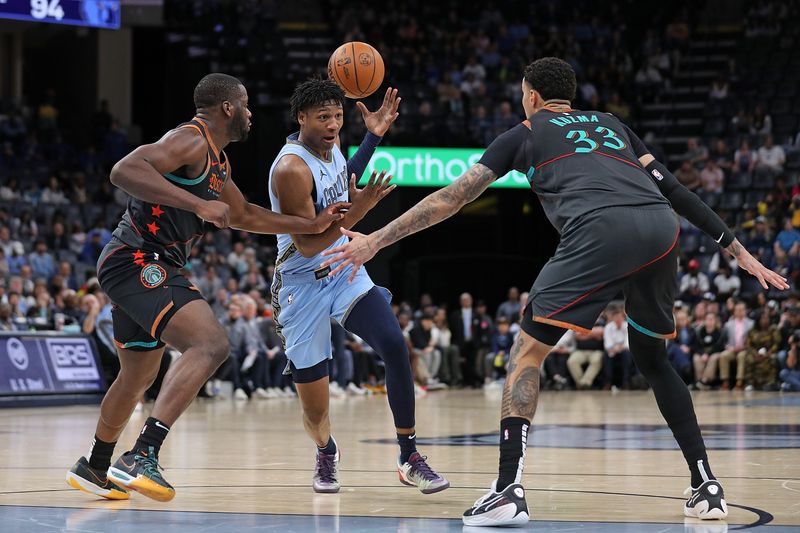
[(552, 78), (214, 89), (315, 92)]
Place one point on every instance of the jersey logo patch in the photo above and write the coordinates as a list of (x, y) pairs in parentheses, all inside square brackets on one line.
[(657, 174), (152, 275)]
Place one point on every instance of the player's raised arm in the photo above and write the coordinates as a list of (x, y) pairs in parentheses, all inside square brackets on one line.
[(292, 184), (140, 174), (254, 218), (431, 210), (690, 206)]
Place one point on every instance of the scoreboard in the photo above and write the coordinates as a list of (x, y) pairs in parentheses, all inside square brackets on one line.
[(94, 13)]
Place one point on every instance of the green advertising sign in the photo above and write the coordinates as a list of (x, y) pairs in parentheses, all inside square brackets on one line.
[(432, 167)]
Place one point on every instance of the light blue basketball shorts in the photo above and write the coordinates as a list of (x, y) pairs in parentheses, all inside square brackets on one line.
[(303, 306)]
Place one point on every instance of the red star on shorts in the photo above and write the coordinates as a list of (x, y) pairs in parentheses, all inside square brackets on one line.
[(157, 211), (153, 228)]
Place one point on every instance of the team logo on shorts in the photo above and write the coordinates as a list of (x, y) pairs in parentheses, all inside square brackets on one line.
[(153, 275)]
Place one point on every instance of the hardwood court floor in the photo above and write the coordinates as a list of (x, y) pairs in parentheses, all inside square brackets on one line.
[(595, 458)]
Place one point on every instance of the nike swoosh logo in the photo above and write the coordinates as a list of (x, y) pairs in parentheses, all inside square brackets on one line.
[(720, 238), (162, 426)]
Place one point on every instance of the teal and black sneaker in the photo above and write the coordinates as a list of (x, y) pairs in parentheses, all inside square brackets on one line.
[(83, 477), (139, 471)]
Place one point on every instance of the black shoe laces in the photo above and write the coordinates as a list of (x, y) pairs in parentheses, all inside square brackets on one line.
[(326, 468), (422, 467)]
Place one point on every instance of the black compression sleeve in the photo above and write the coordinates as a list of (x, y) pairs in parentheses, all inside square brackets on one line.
[(689, 205), (637, 145)]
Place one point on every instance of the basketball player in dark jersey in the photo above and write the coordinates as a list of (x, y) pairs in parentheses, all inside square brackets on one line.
[(176, 184), (613, 204)]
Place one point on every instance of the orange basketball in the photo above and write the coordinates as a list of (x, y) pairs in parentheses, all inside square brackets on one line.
[(357, 68)]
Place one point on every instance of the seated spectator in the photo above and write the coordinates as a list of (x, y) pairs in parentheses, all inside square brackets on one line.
[(93, 247), (6, 320), (242, 344), (709, 342), (209, 284), (761, 367), (25, 227), (712, 178), (53, 194), (9, 191), (771, 158), (424, 344), (693, 283), (722, 155), (696, 153), (618, 108), (788, 239), (588, 350), (762, 122), (80, 194), (744, 159), (719, 88), (679, 349), (726, 283), (736, 330), (688, 175), (497, 359), (450, 370), (760, 239), (57, 240), (790, 376), (42, 261), (555, 365), (615, 342)]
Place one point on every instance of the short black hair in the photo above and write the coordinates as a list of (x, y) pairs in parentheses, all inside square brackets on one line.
[(214, 89), (315, 92), (552, 78)]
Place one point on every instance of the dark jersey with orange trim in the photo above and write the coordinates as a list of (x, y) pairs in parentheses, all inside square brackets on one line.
[(576, 162), (169, 231)]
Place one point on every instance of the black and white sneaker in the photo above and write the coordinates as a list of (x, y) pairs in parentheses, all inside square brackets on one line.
[(707, 501), (505, 508)]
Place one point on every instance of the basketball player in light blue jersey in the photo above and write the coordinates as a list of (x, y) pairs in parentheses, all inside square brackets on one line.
[(308, 174)]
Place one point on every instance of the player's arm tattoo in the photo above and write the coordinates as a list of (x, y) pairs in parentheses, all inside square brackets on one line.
[(438, 206), (521, 396), (735, 248)]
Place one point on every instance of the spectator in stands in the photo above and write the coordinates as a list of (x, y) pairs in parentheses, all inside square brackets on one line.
[(496, 360), (504, 120), (760, 239), (480, 127), (588, 350), (57, 240), (762, 122), (618, 108), (615, 342), (694, 283), (721, 154), (510, 309), (709, 343), (66, 272), (788, 239), (719, 88), (255, 362), (277, 383), (696, 153), (9, 191), (25, 228), (736, 330), (555, 366), (450, 370), (761, 368), (53, 194), (726, 283), (465, 323), (42, 261), (210, 283), (80, 194), (242, 344), (93, 247), (6, 321), (688, 175), (744, 159), (423, 342), (771, 158), (790, 376), (679, 349), (712, 178)]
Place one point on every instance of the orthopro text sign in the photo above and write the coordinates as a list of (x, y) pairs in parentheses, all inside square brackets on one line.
[(432, 167)]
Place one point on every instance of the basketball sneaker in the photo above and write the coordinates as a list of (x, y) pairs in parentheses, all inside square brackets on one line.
[(505, 508), (83, 477), (326, 473), (139, 471), (707, 501), (417, 473)]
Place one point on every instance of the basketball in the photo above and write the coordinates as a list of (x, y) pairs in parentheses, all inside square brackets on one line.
[(357, 68)]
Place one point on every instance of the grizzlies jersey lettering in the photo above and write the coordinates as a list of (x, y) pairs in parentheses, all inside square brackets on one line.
[(576, 162), (330, 186), (169, 231)]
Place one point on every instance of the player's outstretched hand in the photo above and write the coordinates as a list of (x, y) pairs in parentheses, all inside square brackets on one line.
[(329, 215), (216, 212), (378, 122), (764, 275), (358, 251), (373, 192)]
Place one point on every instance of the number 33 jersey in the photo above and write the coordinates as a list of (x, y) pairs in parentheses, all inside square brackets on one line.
[(576, 162)]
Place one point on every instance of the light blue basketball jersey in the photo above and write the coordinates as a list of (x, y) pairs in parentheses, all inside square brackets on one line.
[(330, 186)]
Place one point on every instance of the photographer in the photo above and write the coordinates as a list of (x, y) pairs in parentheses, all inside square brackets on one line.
[(790, 376)]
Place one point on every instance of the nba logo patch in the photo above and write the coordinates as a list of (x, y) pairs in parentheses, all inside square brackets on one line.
[(152, 275), (657, 175)]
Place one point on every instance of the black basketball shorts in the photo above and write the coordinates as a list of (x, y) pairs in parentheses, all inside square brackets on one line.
[(631, 251), (145, 292)]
